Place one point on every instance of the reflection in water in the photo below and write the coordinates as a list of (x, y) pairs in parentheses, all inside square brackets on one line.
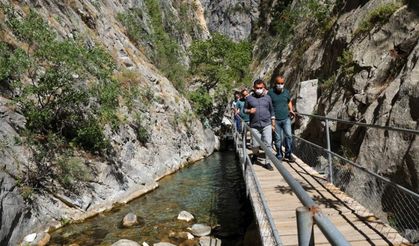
[(212, 190)]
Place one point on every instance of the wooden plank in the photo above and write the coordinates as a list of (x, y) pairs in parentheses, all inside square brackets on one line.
[(342, 210)]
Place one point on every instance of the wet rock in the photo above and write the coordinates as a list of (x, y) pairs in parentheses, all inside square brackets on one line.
[(181, 236), (200, 230), (125, 242), (209, 241), (163, 244), (130, 220), (185, 215)]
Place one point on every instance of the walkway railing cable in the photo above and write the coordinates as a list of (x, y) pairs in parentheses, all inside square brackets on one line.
[(386, 199), (390, 128)]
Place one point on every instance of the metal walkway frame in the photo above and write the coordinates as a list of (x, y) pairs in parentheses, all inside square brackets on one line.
[(268, 232)]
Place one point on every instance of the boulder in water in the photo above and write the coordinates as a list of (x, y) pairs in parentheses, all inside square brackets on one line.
[(185, 215), (200, 230), (130, 220), (125, 242)]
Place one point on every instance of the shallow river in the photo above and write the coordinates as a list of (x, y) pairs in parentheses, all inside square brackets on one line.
[(211, 189)]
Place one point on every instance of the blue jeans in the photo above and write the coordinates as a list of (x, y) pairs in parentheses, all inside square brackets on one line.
[(283, 134), (238, 123)]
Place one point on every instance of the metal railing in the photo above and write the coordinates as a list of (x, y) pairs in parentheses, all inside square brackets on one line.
[(386, 199), (268, 232), (311, 209)]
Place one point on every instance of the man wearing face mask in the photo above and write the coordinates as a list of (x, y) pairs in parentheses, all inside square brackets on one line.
[(281, 101), (262, 118)]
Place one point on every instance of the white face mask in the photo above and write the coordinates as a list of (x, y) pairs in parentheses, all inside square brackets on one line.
[(259, 92), (280, 86)]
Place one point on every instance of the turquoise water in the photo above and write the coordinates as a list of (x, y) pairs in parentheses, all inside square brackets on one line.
[(211, 189)]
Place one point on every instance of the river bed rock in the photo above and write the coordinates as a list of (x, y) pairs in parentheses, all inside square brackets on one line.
[(130, 220), (186, 216), (200, 230), (181, 236)]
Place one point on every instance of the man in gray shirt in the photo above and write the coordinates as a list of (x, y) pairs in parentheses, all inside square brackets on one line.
[(262, 118)]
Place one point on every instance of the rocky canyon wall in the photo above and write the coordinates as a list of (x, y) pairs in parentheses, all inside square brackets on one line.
[(175, 136), (364, 54)]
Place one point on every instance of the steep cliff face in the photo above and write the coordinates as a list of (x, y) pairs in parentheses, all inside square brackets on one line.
[(167, 137), (235, 19)]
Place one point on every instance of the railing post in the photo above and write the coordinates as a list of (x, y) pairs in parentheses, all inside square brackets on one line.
[(329, 155), (305, 227)]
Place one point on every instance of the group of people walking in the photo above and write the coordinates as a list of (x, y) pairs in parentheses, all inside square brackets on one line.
[(267, 111)]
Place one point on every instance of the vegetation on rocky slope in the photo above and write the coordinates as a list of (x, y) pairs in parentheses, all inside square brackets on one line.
[(67, 91)]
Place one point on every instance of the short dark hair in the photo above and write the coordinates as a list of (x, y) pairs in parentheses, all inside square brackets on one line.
[(245, 89), (258, 82), (236, 92)]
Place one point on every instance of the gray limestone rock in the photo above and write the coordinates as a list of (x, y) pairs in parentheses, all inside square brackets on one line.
[(200, 230), (185, 215), (130, 220)]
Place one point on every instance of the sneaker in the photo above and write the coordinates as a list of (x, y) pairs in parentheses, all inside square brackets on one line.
[(291, 159), (279, 157), (269, 167)]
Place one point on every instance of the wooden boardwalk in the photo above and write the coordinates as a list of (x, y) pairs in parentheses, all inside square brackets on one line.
[(355, 222)]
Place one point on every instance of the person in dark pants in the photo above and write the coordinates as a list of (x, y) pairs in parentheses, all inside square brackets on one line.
[(281, 101), (235, 111), (262, 118)]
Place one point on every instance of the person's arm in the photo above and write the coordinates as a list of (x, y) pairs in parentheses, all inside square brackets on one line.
[(248, 108), (272, 112), (291, 108)]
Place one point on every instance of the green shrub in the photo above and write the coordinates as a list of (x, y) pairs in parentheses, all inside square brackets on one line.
[(222, 64), (201, 101), (56, 100), (327, 84), (72, 171), (131, 20), (378, 16), (13, 62), (346, 62), (90, 136), (143, 135)]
